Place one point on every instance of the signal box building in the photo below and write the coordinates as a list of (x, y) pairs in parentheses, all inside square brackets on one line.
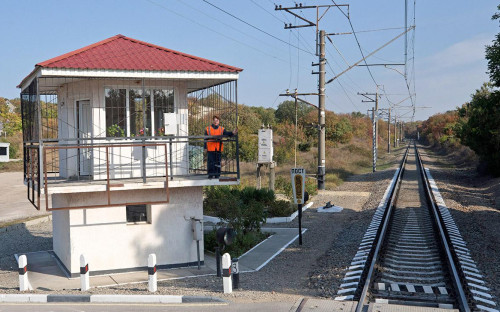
[(114, 146)]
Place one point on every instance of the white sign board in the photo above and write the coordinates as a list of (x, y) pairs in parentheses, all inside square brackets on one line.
[(265, 154), (298, 184), (170, 123)]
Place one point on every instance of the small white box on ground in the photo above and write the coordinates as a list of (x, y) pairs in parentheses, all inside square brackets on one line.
[(4, 151)]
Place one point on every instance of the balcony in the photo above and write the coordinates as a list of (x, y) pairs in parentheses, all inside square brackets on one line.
[(126, 164)]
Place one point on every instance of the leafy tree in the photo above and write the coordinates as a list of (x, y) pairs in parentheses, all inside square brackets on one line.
[(358, 115), (439, 128), (11, 121), (493, 56), (266, 115), (480, 129), (286, 111), (248, 120), (341, 131)]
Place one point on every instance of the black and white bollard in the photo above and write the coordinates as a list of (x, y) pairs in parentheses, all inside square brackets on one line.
[(23, 273), (226, 274), (152, 277), (84, 274), (236, 274)]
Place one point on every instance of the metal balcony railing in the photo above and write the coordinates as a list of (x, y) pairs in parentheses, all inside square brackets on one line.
[(111, 163)]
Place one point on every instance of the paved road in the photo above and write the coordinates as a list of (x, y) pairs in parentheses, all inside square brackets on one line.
[(242, 307), (13, 201)]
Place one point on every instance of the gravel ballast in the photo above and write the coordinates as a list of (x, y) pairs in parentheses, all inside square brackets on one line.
[(471, 199)]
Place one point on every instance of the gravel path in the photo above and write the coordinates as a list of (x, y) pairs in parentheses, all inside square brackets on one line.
[(314, 269), (471, 199)]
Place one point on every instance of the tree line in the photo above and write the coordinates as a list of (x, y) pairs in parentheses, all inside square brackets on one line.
[(475, 124)]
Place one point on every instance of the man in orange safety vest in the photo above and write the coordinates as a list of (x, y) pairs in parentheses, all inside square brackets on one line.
[(215, 146)]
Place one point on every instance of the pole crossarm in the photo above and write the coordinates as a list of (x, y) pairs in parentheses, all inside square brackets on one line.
[(382, 64), (367, 95), (364, 58), (296, 96)]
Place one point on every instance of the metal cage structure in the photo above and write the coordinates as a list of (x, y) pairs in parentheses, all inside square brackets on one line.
[(102, 132)]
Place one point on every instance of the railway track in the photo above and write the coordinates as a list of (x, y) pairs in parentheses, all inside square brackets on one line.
[(412, 253)]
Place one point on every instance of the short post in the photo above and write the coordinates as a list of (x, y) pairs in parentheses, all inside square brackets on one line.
[(300, 223), (217, 261), (23, 273), (272, 175), (236, 273), (84, 274), (226, 274), (259, 176), (152, 277)]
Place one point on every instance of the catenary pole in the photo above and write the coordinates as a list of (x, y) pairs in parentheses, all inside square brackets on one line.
[(376, 119), (321, 112), (389, 132), (374, 142)]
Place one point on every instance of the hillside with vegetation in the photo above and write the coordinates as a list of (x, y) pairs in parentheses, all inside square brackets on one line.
[(348, 139)]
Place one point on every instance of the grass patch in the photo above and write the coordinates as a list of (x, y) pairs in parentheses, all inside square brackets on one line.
[(18, 221), (332, 180), (11, 166)]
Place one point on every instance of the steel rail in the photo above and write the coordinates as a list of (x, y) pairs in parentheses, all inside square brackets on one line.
[(461, 297), (381, 233)]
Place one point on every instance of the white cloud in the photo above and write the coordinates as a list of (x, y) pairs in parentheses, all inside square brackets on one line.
[(463, 53), (447, 78)]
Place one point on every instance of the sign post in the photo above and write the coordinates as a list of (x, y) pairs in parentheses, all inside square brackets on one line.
[(298, 186)]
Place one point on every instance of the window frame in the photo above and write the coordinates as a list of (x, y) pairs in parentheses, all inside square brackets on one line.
[(147, 211), (151, 90)]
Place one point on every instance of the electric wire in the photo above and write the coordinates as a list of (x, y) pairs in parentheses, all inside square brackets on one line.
[(225, 24), (255, 27), (215, 31), (357, 41)]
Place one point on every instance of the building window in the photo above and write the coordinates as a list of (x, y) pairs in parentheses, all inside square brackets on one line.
[(138, 213), (116, 112), (157, 102), (3, 151), (137, 127)]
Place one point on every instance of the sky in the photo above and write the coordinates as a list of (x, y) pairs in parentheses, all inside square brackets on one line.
[(445, 52)]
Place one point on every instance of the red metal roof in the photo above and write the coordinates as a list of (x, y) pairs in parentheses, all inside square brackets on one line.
[(123, 53)]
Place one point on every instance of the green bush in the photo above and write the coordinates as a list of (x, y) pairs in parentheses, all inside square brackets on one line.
[(243, 210), (284, 186), (304, 146), (283, 153), (241, 244), (250, 194), (13, 151), (280, 208), (311, 186)]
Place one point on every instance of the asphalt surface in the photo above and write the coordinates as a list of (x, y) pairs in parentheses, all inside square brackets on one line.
[(14, 203)]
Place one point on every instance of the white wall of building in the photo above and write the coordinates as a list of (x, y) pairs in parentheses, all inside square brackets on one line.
[(110, 243)]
